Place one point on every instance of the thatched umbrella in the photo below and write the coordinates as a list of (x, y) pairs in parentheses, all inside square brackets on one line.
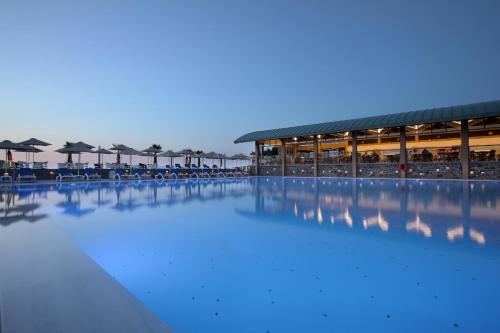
[(27, 150), (155, 149), (187, 153), (34, 142), (199, 155), (215, 156), (75, 148), (119, 148), (8, 146), (130, 152), (171, 154), (240, 157), (101, 151)]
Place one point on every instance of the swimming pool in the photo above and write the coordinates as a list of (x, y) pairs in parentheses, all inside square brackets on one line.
[(287, 255)]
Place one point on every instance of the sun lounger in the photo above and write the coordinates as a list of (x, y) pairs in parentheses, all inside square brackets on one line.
[(26, 174), (120, 174), (91, 174), (160, 173), (195, 171), (64, 174), (140, 174), (181, 171), (219, 172)]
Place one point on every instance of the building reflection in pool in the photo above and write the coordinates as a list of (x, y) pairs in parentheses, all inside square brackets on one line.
[(449, 210), (431, 209)]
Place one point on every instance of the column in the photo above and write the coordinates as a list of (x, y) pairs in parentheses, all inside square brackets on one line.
[(464, 148), (257, 158), (354, 136), (403, 156), (316, 153), (283, 157)]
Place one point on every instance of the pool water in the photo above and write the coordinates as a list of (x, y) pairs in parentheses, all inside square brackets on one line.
[(288, 255)]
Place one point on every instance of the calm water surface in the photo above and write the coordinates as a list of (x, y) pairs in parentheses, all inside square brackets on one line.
[(274, 255)]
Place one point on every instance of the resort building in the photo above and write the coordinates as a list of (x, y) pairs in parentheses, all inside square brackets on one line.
[(449, 142)]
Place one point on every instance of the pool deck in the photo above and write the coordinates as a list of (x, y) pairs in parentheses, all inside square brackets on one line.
[(49, 285)]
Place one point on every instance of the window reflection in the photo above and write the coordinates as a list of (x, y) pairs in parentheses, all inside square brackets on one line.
[(420, 227), (445, 210)]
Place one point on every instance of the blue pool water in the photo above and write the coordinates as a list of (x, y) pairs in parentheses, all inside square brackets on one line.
[(288, 255)]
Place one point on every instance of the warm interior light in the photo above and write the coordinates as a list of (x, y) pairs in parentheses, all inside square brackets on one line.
[(295, 138), (319, 136)]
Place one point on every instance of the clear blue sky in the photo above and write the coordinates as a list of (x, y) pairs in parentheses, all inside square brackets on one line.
[(200, 73)]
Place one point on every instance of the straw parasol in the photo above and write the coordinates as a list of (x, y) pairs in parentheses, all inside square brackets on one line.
[(187, 153), (27, 150), (154, 150), (80, 143), (119, 148), (199, 155), (130, 152), (215, 156), (101, 151), (239, 157), (75, 148), (171, 154), (34, 142), (9, 145)]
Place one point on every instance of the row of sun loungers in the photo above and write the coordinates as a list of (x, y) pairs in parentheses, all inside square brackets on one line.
[(193, 171), (175, 172)]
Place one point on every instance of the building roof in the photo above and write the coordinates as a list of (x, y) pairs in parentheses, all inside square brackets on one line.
[(459, 112)]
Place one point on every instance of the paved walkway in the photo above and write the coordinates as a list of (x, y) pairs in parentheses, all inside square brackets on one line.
[(49, 285)]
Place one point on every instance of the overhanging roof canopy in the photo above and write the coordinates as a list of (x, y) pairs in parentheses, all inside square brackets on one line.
[(460, 112)]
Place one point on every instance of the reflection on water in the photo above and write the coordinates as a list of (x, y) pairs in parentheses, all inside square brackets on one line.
[(342, 255), (449, 210)]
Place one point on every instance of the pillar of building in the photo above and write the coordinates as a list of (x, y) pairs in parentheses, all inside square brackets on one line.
[(283, 157), (316, 157), (464, 148), (403, 155), (354, 137), (257, 158)]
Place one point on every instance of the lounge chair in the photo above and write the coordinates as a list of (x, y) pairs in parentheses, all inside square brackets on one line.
[(241, 172), (195, 171), (91, 174), (121, 174), (168, 172), (219, 172), (160, 173), (205, 171), (26, 174), (181, 171), (64, 174), (140, 174)]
